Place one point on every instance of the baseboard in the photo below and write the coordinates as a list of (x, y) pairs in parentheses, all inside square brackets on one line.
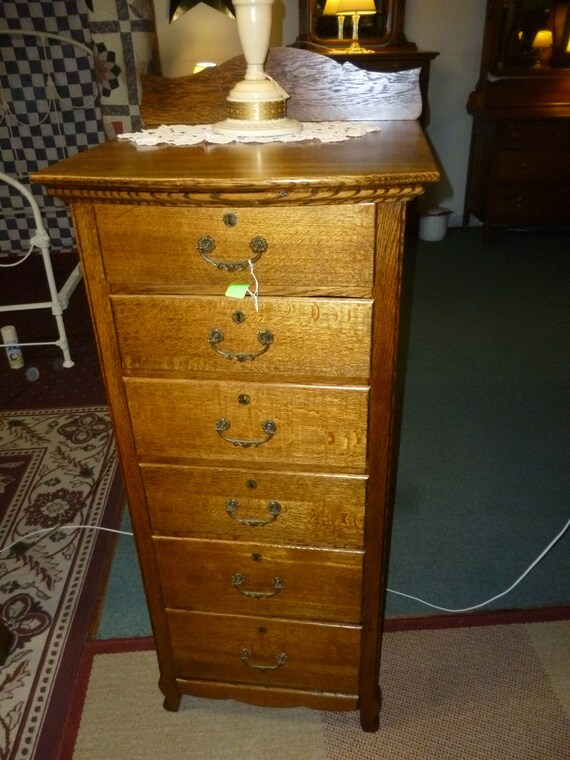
[(493, 617)]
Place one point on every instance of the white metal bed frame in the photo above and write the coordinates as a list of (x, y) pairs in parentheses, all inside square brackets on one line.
[(59, 298)]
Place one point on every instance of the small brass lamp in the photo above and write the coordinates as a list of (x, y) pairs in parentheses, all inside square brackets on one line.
[(542, 45), (356, 8)]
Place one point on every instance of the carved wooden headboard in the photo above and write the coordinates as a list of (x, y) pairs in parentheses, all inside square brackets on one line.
[(320, 89)]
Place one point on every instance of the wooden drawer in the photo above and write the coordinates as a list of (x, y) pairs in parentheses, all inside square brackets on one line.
[(261, 505), (553, 134), (254, 579), (293, 654), (153, 247), (295, 337), (310, 426), (528, 203), (533, 167)]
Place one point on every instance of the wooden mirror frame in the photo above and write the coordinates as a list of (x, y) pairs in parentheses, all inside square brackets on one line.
[(393, 36)]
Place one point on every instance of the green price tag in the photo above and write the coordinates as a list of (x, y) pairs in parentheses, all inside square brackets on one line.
[(237, 290)]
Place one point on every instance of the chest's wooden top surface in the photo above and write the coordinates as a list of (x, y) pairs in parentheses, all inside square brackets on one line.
[(397, 156)]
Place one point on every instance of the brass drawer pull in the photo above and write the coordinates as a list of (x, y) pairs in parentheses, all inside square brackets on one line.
[(277, 585), (206, 245), (216, 336), (245, 656), (268, 426), (232, 505)]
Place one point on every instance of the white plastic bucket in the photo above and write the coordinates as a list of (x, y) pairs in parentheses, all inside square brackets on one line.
[(13, 350), (433, 224)]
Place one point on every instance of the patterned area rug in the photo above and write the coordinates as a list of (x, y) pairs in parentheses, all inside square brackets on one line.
[(58, 472)]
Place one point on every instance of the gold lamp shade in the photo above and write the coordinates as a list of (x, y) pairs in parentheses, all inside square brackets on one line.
[(362, 7), (331, 7), (542, 39)]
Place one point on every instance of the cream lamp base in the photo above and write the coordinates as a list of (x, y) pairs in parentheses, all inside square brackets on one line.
[(256, 105)]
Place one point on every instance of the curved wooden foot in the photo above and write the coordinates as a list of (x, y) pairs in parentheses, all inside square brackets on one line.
[(370, 723), (172, 696), (370, 712), (172, 703)]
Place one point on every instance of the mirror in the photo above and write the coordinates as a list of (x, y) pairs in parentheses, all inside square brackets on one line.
[(532, 34), (380, 24)]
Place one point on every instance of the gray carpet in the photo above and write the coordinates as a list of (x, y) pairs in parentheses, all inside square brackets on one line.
[(484, 475)]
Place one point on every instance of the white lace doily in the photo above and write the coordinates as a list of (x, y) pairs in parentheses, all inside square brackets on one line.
[(182, 134)]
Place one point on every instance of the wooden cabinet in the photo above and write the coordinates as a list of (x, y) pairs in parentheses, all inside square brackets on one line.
[(519, 165), (519, 172), (255, 437)]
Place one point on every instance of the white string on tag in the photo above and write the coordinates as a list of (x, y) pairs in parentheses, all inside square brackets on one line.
[(279, 88), (254, 294)]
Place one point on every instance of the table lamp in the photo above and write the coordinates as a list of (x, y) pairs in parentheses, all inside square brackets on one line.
[(542, 45), (356, 8)]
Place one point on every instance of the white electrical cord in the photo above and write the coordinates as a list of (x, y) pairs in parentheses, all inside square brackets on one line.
[(19, 260), (497, 596), (399, 593)]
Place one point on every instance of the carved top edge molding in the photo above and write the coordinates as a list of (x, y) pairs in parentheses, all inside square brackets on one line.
[(305, 196)]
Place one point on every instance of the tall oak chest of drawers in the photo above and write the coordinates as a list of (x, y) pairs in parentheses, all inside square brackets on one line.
[(255, 437)]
